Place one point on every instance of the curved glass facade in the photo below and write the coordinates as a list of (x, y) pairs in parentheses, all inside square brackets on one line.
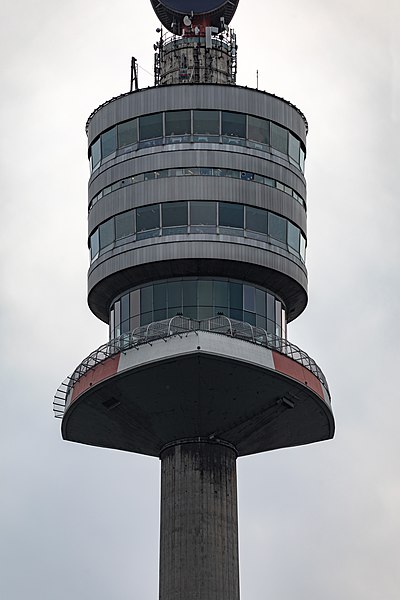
[(185, 126), (198, 298), (197, 171), (178, 218)]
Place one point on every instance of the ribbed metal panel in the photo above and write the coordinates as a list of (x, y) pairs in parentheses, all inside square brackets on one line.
[(203, 96), (180, 256), (197, 188), (243, 159)]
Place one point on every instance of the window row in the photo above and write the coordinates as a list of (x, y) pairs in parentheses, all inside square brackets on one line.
[(198, 298), (204, 171), (177, 218), (184, 126)]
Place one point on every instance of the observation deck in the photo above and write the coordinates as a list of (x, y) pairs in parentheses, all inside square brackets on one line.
[(182, 378)]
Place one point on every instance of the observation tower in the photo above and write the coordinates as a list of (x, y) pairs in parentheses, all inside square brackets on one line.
[(197, 238)]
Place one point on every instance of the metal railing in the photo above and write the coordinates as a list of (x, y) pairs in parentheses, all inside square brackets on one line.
[(178, 326)]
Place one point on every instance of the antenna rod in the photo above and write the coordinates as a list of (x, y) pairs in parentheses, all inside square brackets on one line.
[(134, 74)]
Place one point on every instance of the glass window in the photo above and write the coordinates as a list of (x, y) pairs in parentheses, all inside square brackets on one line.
[(249, 317), (294, 237), (127, 133), (231, 215), (206, 122), (177, 122), (258, 130), (112, 324), (204, 293), (94, 244), (174, 214), (107, 235), (203, 213), (249, 298), (95, 152), (148, 217), (150, 126), (236, 295), (279, 138), (221, 290), (109, 142), (160, 314), (125, 313), (302, 159), (146, 318), (302, 247), (134, 303), (124, 224), (270, 307), (278, 317), (146, 299), (294, 148), (160, 296), (189, 293), (117, 318), (260, 303), (233, 124), (175, 295), (283, 333), (256, 219), (277, 227)]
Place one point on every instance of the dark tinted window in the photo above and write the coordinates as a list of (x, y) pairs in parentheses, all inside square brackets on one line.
[(109, 142), (174, 214), (249, 298), (124, 224), (277, 227), (294, 148), (146, 299), (96, 153), (94, 244), (107, 235), (256, 219), (234, 124), (279, 138), (203, 213), (127, 133), (259, 130), (189, 293), (151, 126), (231, 215), (125, 313), (206, 121), (177, 122), (236, 294), (148, 217), (160, 296), (221, 292), (175, 294), (294, 237)]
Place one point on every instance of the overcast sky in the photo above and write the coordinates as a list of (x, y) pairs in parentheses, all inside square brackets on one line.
[(317, 522)]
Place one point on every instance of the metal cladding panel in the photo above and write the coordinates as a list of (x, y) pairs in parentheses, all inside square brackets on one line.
[(221, 256), (202, 188), (238, 398), (201, 96), (133, 163)]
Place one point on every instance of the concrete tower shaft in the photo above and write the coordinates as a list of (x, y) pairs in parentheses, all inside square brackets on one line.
[(199, 522)]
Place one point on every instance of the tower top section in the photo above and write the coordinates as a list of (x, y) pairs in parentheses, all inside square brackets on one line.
[(178, 15)]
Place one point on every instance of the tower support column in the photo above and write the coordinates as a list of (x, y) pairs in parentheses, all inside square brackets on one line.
[(199, 522)]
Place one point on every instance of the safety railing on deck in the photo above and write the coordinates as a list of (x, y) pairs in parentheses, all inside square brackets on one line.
[(178, 326)]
